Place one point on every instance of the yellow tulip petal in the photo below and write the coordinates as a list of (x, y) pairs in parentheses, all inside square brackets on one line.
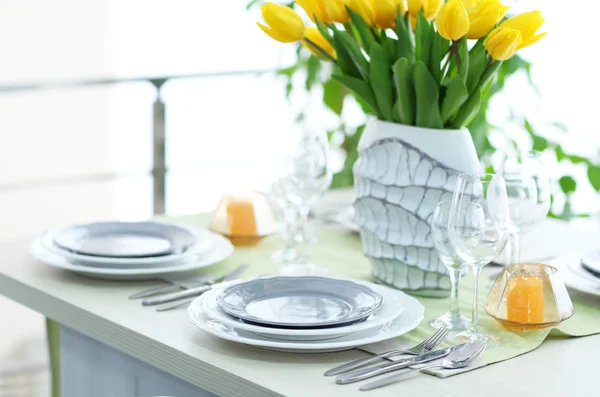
[(336, 11), (276, 35), (470, 3), (317, 38), (531, 40), (440, 23), (502, 43), (365, 9), (385, 13), (414, 7), (431, 8)]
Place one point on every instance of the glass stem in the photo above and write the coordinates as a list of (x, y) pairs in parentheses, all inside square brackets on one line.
[(475, 315), (454, 280), (304, 211), (289, 228), (515, 244)]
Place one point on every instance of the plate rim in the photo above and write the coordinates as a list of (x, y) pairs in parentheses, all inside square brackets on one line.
[(316, 346), (38, 251), (203, 234), (61, 238), (244, 315), (576, 281), (303, 332)]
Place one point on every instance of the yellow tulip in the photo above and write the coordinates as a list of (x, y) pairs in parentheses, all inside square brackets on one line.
[(502, 43), (315, 9), (386, 12), (484, 16), (452, 21), (470, 4), (283, 23), (527, 23), (317, 38), (430, 8), (336, 10), (365, 9)]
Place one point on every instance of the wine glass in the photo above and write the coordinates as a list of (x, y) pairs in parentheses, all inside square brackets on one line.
[(478, 227), (306, 175), (289, 254), (441, 241), (528, 190)]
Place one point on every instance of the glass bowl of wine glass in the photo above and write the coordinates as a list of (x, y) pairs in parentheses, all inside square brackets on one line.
[(529, 296)]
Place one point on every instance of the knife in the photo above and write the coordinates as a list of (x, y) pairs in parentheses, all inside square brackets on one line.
[(365, 373), (176, 283), (194, 291)]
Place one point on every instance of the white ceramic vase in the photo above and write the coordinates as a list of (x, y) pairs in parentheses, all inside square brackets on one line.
[(402, 172)]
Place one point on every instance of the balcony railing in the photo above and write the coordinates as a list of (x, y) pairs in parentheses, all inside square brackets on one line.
[(159, 131)]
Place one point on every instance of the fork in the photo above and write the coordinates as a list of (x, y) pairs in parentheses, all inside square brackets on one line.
[(423, 347)]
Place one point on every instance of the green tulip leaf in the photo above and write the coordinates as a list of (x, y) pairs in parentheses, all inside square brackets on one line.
[(380, 80), (463, 55), (333, 96), (469, 110), (427, 97), (324, 32), (366, 35), (477, 64), (344, 60), (439, 47), (390, 46), (361, 89), (343, 40), (404, 108), (489, 74), (456, 95), (423, 38), (405, 41)]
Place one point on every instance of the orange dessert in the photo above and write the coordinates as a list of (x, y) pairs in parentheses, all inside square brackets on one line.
[(525, 299), (240, 216)]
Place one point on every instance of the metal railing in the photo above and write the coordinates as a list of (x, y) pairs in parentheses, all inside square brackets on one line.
[(159, 133)]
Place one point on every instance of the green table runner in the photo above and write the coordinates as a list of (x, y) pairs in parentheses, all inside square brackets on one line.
[(341, 252)]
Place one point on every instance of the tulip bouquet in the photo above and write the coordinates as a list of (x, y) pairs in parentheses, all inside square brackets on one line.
[(426, 63)]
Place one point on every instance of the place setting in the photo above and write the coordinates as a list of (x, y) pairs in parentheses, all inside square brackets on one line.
[(130, 250)]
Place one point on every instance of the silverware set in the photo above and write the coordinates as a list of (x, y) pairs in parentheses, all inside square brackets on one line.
[(454, 357), (182, 292)]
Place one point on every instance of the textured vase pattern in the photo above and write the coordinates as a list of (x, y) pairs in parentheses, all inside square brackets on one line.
[(397, 187)]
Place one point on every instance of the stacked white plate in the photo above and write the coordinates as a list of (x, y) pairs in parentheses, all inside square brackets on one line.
[(125, 251), (581, 273), (305, 314)]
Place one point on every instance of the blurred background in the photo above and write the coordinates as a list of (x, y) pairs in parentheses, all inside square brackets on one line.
[(84, 86)]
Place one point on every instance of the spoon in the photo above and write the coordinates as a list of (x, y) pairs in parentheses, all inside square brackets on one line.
[(457, 359)]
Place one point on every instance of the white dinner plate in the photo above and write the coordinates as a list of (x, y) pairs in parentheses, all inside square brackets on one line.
[(389, 310), (408, 320), (204, 237), (577, 278), (221, 249), (124, 239), (299, 301)]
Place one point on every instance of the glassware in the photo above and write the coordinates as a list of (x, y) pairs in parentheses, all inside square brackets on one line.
[(289, 254), (439, 229), (478, 227), (528, 190), (306, 175), (529, 296)]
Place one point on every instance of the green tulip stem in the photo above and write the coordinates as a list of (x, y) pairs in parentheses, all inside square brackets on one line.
[(321, 51), (454, 50), (348, 28)]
